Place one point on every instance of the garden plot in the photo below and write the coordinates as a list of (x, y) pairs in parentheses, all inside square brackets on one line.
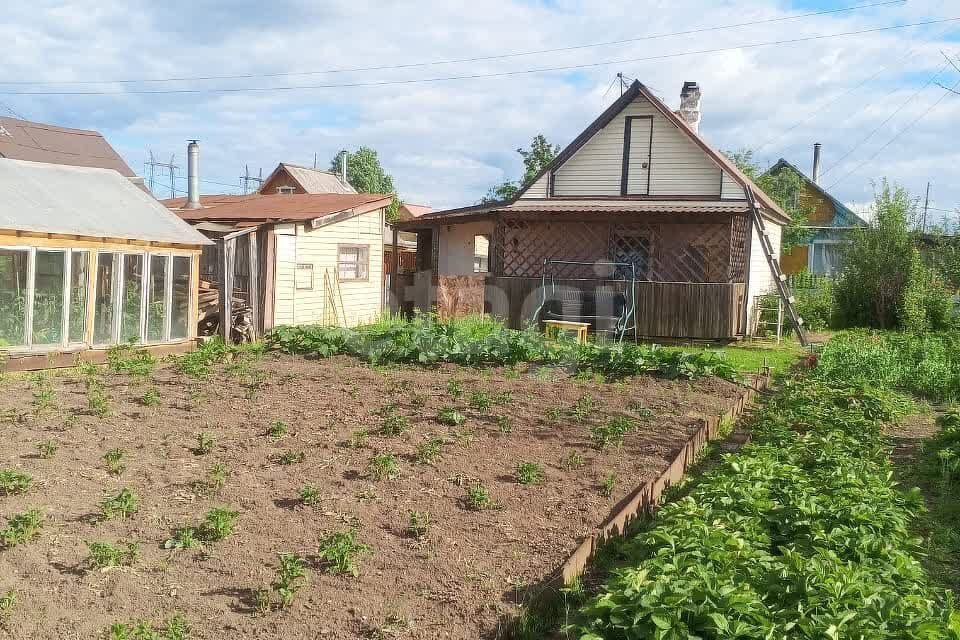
[(415, 503)]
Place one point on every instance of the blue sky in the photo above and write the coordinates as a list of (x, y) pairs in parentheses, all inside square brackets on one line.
[(447, 142)]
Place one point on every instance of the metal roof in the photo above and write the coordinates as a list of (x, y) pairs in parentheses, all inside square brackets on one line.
[(277, 207), (312, 180), (24, 140), (84, 201)]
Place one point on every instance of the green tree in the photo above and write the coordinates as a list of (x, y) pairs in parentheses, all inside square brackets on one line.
[(367, 175), (785, 188), (882, 280), (535, 159)]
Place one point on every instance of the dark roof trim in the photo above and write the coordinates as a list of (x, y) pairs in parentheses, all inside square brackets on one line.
[(839, 206)]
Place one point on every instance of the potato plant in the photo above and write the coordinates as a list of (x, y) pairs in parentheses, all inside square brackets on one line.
[(341, 551), (14, 482), (104, 555), (123, 505), (21, 528)]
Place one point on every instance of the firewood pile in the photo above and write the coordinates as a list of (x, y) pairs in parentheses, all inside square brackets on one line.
[(208, 322)]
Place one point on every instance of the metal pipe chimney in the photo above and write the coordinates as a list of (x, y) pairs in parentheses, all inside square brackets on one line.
[(816, 163), (193, 175)]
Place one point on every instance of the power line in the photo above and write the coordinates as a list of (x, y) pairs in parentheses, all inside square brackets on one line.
[(411, 65), (902, 106), (910, 54), (896, 137), (475, 76)]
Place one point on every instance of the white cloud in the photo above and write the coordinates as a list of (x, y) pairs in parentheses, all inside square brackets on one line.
[(446, 142)]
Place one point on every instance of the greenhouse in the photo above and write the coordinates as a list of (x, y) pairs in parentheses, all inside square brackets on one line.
[(88, 260)]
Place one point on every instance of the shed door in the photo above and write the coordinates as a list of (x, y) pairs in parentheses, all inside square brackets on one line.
[(637, 141)]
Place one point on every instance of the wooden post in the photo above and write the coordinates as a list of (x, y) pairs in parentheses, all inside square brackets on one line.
[(225, 251), (395, 305), (747, 249), (269, 278), (253, 254)]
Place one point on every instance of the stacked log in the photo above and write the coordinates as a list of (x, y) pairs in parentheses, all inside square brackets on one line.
[(208, 310)]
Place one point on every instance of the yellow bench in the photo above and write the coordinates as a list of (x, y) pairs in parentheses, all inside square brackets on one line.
[(553, 327)]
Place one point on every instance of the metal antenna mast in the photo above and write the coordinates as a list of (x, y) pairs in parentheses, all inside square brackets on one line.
[(169, 169)]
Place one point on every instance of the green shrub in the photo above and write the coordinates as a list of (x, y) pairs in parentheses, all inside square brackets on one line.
[(14, 482), (384, 466), (21, 528), (530, 473), (122, 505), (104, 554)]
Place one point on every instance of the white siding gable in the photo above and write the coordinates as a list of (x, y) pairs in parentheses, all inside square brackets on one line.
[(678, 166), (539, 189), (731, 189), (761, 279)]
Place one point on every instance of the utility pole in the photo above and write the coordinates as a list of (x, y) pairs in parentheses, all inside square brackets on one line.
[(926, 206)]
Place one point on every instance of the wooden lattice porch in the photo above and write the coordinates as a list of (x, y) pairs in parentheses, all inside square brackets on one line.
[(690, 273)]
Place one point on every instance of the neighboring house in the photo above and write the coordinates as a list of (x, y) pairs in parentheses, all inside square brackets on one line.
[(830, 220), (37, 142), (292, 178), (639, 187), (89, 260), (406, 241), (296, 258)]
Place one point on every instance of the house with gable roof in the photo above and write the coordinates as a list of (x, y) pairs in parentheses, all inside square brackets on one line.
[(639, 224)]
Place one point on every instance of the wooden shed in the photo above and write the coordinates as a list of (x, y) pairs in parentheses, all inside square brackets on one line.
[(88, 260), (638, 210)]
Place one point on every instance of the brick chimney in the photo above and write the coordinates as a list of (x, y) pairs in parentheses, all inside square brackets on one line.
[(690, 105)]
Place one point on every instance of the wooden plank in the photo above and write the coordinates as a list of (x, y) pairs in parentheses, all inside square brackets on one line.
[(269, 278), (226, 250), (253, 258)]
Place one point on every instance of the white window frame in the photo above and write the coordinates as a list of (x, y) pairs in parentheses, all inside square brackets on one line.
[(65, 341), (360, 248), (191, 312), (304, 266), (811, 251)]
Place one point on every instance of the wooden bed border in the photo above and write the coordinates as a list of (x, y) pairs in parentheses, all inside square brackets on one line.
[(645, 499)]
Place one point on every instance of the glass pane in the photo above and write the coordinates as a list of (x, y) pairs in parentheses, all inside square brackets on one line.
[(180, 314), (157, 298), (103, 304), (13, 296), (79, 277), (132, 292), (48, 297)]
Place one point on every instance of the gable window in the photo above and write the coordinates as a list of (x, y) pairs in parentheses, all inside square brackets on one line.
[(353, 262), (304, 277), (286, 190)]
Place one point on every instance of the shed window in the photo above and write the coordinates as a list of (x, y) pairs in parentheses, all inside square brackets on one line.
[(132, 310), (180, 298), (79, 280), (104, 298), (157, 299), (48, 291), (353, 262), (304, 277), (13, 296)]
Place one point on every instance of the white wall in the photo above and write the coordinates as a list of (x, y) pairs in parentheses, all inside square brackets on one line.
[(358, 301), (678, 166), (457, 248), (761, 280), (731, 189), (538, 189)]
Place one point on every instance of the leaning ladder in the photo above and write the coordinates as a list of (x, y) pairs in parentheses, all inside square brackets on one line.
[(778, 276)]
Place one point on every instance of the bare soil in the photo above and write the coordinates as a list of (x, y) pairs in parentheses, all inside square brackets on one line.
[(460, 581)]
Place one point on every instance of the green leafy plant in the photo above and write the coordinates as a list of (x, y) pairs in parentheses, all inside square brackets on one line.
[(612, 432), (384, 466), (151, 397), (14, 482), (183, 538), (8, 601), (21, 528), (480, 401), (44, 399), (455, 389), (114, 461), (608, 484), (291, 570), (555, 414), (104, 555), (98, 400), (176, 628), (291, 457), (126, 358), (122, 505), (418, 524), (341, 551), (358, 439), (504, 425), (204, 444), (478, 498), (47, 449), (310, 495), (217, 524), (451, 417), (573, 460), (278, 428), (430, 451), (530, 473), (582, 408), (217, 477), (395, 425)]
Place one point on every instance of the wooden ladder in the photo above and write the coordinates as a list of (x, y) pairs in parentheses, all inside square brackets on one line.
[(779, 278)]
